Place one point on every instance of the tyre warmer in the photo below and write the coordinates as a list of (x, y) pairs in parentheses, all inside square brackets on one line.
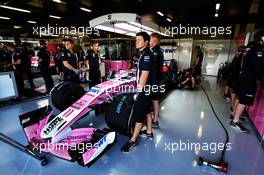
[(83, 145)]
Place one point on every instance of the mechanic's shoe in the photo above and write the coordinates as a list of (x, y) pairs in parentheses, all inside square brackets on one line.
[(242, 119), (128, 146), (145, 134), (155, 124), (227, 97), (239, 126)]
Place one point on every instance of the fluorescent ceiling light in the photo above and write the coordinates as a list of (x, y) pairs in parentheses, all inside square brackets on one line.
[(17, 27), (216, 15), (32, 22), (131, 34), (147, 28), (168, 19), (28, 41), (217, 6), (142, 26), (14, 8), (110, 29), (58, 1), (56, 17), (129, 27), (2, 17), (161, 14), (85, 9)]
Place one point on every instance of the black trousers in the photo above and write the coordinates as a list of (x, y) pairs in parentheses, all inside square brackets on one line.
[(47, 78), (94, 77), (27, 71), (19, 82)]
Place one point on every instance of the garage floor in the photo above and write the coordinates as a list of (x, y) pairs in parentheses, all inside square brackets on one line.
[(185, 118)]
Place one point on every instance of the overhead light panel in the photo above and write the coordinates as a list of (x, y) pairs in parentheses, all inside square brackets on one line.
[(56, 17), (161, 14), (216, 15), (32, 22), (129, 27), (14, 8), (85, 9), (168, 19), (17, 27), (110, 29), (58, 1), (131, 34), (146, 28), (2, 17), (217, 6)]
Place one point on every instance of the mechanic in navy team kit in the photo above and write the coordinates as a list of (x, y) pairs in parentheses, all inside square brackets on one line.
[(252, 68), (159, 58), (70, 63), (44, 60), (146, 78), (233, 78), (93, 58), (15, 61)]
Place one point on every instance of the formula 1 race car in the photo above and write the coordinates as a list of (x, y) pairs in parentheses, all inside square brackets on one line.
[(47, 133), (59, 127)]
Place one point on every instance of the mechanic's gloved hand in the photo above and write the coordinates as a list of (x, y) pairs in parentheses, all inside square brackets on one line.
[(136, 96), (77, 71)]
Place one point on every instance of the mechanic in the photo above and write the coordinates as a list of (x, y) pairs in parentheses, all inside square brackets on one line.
[(232, 80), (15, 60), (146, 77), (198, 63), (70, 63), (159, 58), (93, 59), (252, 67), (44, 60)]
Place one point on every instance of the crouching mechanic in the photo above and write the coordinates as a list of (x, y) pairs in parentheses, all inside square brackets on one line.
[(252, 67), (146, 78)]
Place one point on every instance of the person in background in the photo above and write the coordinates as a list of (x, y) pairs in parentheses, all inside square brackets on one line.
[(93, 59), (28, 53), (251, 68), (70, 62), (232, 80), (159, 58), (81, 55), (198, 64), (83, 73), (15, 60), (62, 50), (5, 65), (44, 60)]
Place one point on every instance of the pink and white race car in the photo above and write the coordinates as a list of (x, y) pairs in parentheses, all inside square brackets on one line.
[(44, 130)]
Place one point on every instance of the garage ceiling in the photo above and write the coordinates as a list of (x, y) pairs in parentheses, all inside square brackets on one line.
[(193, 12)]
